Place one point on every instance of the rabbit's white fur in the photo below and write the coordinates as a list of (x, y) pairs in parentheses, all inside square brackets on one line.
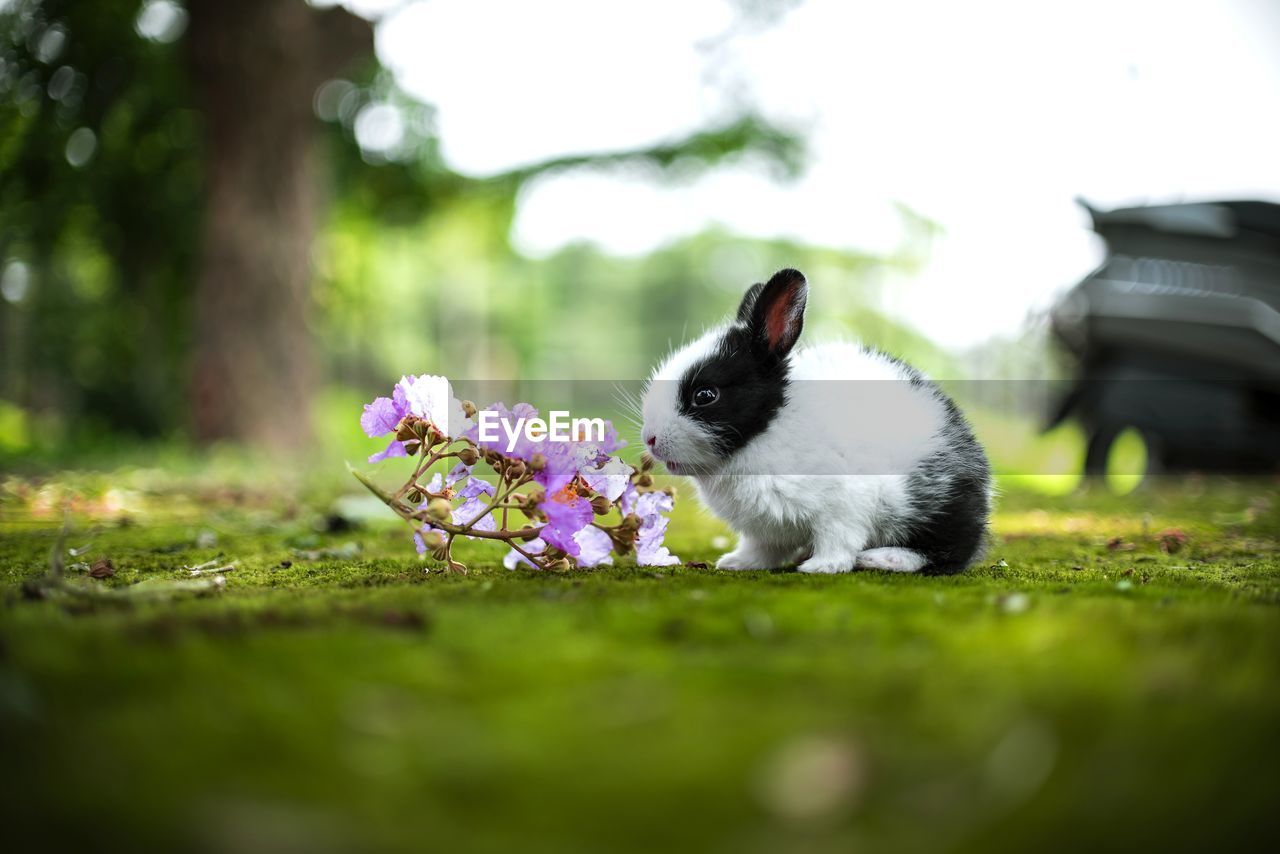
[(827, 481)]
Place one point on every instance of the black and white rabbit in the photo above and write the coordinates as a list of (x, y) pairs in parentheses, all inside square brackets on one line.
[(833, 455)]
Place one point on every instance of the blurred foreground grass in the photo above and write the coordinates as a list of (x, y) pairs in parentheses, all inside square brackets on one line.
[(1097, 682)]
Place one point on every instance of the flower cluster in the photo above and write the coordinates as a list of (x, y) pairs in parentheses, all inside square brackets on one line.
[(556, 504)]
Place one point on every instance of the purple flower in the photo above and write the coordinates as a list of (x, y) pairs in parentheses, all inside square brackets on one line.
[(431, 397), (567, 514), (507, 419), (379, 419), (630, 494), (609, 443), (610, 478), (458, 473), (428, 397), (514, 558), (475, 487), (561, 467), (469, 510), (595, 547), (473, 505), (653, 528)]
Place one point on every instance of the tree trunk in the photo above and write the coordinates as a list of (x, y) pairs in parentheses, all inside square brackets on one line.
[(255, 66)]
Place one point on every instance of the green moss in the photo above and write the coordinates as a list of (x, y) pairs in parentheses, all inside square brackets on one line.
[(1082, 686)]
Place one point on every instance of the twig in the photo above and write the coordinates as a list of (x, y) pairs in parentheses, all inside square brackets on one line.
[(203, 570)]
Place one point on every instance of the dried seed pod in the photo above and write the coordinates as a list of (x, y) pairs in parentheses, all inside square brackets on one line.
[(560, 565), (468, 456), (468, 409), (415, 496), (516, 470), (601, 505), (406, 429), (536, 496)]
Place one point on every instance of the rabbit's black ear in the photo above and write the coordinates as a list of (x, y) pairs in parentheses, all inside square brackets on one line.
[(777, 312), (749, 302)]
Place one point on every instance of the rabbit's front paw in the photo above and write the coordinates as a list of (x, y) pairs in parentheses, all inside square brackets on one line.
[(746, 557), (740, 559), (824, 565)]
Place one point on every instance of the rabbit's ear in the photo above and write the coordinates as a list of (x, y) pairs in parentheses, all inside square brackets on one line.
[(776, 312), (749, 302)]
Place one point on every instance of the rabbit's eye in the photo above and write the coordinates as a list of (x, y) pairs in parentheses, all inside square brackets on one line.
[(706, 396)]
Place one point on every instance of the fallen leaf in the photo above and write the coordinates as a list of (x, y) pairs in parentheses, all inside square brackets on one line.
[(102, 568), (1117, 544), (1172, 540)]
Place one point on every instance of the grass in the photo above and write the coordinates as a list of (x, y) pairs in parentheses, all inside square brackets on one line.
[(1084, 687)]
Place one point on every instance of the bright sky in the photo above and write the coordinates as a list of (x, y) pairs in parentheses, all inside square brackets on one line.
[(988, 116)]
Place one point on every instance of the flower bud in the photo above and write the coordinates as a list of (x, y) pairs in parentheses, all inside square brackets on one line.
[(405, 428), (433, 540), (516, 470), (493, 458), (468, 409), (440, 509), (468, 456), (600, 504), (631, 522), (644, 480), (434, 436), (538, 462), (536, 496)]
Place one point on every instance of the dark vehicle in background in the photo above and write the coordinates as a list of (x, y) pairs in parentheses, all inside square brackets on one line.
[(1177, 335)]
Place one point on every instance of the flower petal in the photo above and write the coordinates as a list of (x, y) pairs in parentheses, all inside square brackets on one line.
[(395, 449), (380, 417), (595, 545)]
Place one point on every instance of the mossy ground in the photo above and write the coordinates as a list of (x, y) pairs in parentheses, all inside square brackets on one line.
[(1066, 693)]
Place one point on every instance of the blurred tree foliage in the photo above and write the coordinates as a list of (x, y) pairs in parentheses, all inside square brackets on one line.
[(106, 132), (100, 197)]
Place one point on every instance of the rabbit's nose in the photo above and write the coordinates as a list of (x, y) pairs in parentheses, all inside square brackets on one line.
[(651, 440)]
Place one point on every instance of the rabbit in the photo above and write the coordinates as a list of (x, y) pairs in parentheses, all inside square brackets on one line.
[(833, 455)]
